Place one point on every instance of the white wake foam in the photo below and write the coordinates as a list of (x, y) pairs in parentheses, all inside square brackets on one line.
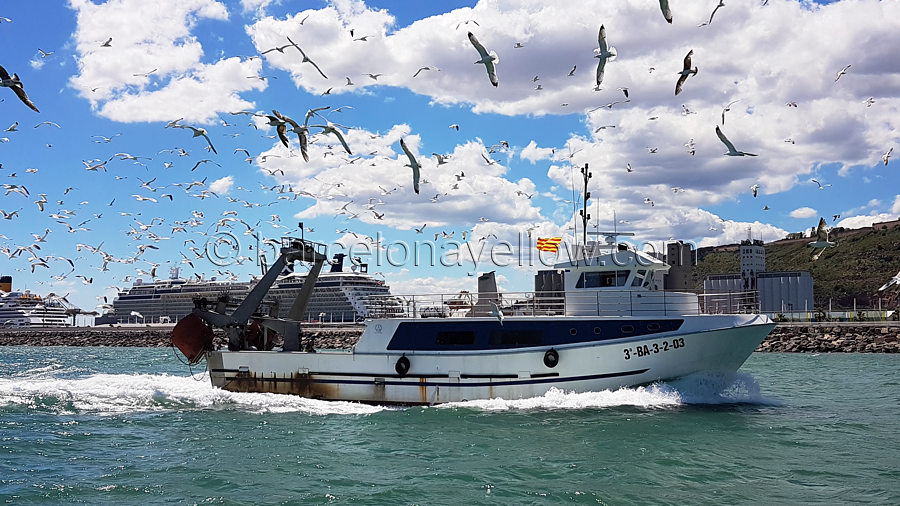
[(653, 396), (123, 393), (697, 389)]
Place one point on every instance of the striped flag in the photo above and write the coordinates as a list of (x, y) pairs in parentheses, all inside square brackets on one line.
[(549, 243)]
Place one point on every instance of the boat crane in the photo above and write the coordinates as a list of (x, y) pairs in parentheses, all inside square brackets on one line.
[(193, 335)]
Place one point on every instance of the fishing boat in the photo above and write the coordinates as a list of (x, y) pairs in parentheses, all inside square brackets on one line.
[(596, 322)]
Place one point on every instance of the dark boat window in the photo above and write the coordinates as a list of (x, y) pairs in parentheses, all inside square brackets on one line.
[(599, 279), (652, 326), (516, 338), (597, 330), (627, 329), (455, 338), (573, 332)]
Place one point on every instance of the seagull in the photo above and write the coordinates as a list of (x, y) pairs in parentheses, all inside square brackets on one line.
[(685, 72), (894, 281), (840, 73), (834, 217), (887, 156), (301, 131), (13, 128), (16, 84), (820, 184), (754, 189), (628, 168), (331, 129), (692, 149), (821, 239), (731, 150), (441, 159), (108, 43), (603, 53), (667, 13), (572, 72), (422, 229), (496, 313), (455, 126), (425, 68), (412, 164), (200, 132), (306, 58), (489, 59), (869, 101), (721, 4), (45, 54), (518, 45), (374, 76)]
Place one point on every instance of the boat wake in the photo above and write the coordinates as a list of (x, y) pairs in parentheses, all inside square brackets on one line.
[(113, 394), (696, 389)]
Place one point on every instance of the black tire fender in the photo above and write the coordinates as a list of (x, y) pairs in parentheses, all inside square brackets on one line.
[(402, 365), (551, 358)]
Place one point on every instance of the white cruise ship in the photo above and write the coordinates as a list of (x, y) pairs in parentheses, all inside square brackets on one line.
[(338, 297), (25, 309)]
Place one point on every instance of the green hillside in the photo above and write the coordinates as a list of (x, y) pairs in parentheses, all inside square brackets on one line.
[(860, 263)]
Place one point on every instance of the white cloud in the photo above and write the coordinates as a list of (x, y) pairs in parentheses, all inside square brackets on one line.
[(533, 153), (865, 221), (804, 212), (222, 186), (153, 69), (895, 208)]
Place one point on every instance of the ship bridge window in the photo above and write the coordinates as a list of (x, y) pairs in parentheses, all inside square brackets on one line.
[(600, 279), (516, 338), (457, 338), (639, 277)]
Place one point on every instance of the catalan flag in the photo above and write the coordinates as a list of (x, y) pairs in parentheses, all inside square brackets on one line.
[(549, 243)]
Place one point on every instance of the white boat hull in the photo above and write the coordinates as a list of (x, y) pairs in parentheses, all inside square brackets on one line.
[(369, 373)]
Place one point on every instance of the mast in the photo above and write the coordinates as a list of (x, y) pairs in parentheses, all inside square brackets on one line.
[(585, 216)]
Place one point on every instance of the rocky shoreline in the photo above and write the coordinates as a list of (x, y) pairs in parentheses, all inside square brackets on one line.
[(791, 338)]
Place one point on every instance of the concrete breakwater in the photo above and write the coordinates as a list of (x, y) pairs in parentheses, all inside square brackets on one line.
[(800, 338)]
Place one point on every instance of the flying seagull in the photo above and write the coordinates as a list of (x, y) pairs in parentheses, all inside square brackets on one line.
[(489, 59), (754, 189), (603, 53), (331, 129), (201, 132), (840, 73), (685, 72), (301, 131), (721, 4), (821, 239), (894, 281), (13, 82), (412, 164), (728, 108), (306, 58), (731, 150), (887, 156), (664, 7), (496, 313)]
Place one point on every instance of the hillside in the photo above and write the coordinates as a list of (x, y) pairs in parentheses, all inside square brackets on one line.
[(860, 263)]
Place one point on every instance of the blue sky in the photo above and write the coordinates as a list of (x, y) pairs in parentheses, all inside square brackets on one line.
[(201, 60)]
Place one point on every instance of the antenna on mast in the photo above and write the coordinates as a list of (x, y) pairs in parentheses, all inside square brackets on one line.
[(586, 175)]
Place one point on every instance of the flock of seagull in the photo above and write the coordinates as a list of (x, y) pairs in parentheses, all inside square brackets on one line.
[(148, 234)]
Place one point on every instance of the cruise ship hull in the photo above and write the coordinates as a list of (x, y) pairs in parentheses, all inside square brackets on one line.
[(387, 368)]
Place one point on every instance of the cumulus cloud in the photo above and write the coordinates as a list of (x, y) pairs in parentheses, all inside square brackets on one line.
[(804, 212), (222, 186), (153, 68), (533, 153), (895, 208)]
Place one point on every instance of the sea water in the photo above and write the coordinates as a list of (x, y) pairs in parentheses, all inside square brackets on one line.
[(130, 426)]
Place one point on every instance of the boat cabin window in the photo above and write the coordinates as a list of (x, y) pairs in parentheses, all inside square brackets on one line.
[(601, 279), (516, 337), (450, 338), (639, 277)]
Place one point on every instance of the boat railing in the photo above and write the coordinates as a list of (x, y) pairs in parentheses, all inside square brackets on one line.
[(586, 303)]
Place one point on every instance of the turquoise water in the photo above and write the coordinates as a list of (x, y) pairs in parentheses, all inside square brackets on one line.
[(104, 426)]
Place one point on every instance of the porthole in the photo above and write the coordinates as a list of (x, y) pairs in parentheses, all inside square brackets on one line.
[(652, 326), (627, 329), (597, 330), (573, 331)]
